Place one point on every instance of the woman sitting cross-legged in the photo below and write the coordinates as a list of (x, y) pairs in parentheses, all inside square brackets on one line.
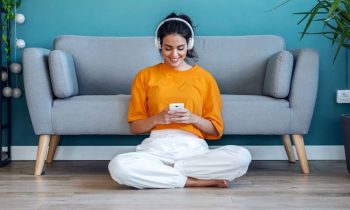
[(176, 154)]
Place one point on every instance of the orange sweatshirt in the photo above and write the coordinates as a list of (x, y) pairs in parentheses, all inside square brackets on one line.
[(155, 87)]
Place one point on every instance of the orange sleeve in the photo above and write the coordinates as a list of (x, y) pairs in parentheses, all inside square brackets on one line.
[(213, 109), (138, 101)]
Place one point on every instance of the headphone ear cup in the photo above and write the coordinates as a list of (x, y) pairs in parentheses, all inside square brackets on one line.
[(157, 43), (190, 43)]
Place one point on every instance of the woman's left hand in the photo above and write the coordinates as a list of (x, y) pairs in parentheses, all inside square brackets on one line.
[(186, 117), (183, 116)]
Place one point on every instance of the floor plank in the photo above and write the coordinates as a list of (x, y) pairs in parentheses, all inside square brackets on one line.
[(87, 185)]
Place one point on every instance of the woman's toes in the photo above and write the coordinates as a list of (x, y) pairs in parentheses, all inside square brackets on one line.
[(223, 183)]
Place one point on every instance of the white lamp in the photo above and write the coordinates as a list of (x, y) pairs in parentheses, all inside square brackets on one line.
[(20, 43), (15, 68), (4, 76), (7, 92), (16, 93), (19, 18)]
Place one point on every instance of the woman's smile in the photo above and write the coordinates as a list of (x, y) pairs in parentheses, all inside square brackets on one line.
[(174, 51)]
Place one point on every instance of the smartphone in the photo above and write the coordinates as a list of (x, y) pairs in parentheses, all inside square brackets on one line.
[(176, 106)]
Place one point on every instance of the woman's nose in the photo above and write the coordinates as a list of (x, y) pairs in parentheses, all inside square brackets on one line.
[(174, 53)]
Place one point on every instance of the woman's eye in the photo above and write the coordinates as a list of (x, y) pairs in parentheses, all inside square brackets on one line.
[(181, 48)]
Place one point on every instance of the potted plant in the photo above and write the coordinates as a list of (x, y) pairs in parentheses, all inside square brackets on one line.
[(335, 15)]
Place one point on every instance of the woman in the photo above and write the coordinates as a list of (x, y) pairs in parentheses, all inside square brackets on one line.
[(176, 154)]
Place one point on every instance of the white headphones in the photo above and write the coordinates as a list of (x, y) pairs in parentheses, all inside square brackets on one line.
[(190, 40)]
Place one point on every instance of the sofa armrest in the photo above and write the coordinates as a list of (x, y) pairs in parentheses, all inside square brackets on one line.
[(38, 90), (303, 90)]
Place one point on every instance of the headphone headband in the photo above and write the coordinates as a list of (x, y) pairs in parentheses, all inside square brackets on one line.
[(190, 40)]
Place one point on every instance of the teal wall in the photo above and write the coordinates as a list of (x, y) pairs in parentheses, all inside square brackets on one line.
[(45, 19)]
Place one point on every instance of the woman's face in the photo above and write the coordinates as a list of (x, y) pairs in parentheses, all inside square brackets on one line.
[(174, 50)]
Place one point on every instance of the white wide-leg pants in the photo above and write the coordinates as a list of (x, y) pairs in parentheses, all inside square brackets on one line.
[(168, 157)]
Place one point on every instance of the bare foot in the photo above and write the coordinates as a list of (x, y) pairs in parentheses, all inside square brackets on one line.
[(192, 182)]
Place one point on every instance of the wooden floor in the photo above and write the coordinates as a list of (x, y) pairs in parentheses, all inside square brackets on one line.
[(87, 185)]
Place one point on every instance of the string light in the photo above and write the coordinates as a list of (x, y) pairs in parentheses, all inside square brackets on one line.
[(15, 67), (19, 18)]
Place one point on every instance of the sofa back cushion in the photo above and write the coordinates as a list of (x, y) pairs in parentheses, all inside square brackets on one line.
[(238, 62), (278, 75), (107, 65), (62, 74)]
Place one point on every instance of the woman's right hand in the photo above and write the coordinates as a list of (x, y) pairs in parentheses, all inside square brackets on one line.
[(162, 117), (146, 125)]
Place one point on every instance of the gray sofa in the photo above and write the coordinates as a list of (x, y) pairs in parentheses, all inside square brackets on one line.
[(261, 96)]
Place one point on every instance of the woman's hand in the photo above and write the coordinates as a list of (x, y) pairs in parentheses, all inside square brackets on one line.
[(183, 116), (187, 117), (162, 117), (172, 116), (146, 125)]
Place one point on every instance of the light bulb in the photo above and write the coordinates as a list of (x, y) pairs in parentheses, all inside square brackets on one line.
[(19, 18), (7, 92), (16, 93), (20, 43), (15, 68), (4, 76)]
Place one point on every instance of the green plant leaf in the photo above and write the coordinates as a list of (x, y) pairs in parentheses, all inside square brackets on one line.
[(278, 6), (340, 44), (335, 14), (334, 7), (312, 16), (8, 7), (306, 14)]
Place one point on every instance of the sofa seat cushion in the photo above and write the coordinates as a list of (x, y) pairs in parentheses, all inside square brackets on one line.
[(252, 114), (107, 114), (91, 114)]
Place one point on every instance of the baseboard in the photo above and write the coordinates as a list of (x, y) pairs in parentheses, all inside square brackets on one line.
[(108, 152)]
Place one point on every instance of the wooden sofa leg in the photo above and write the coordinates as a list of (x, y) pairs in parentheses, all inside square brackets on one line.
[(300, 148), (288, 147), (54, 140), (43, 146)]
